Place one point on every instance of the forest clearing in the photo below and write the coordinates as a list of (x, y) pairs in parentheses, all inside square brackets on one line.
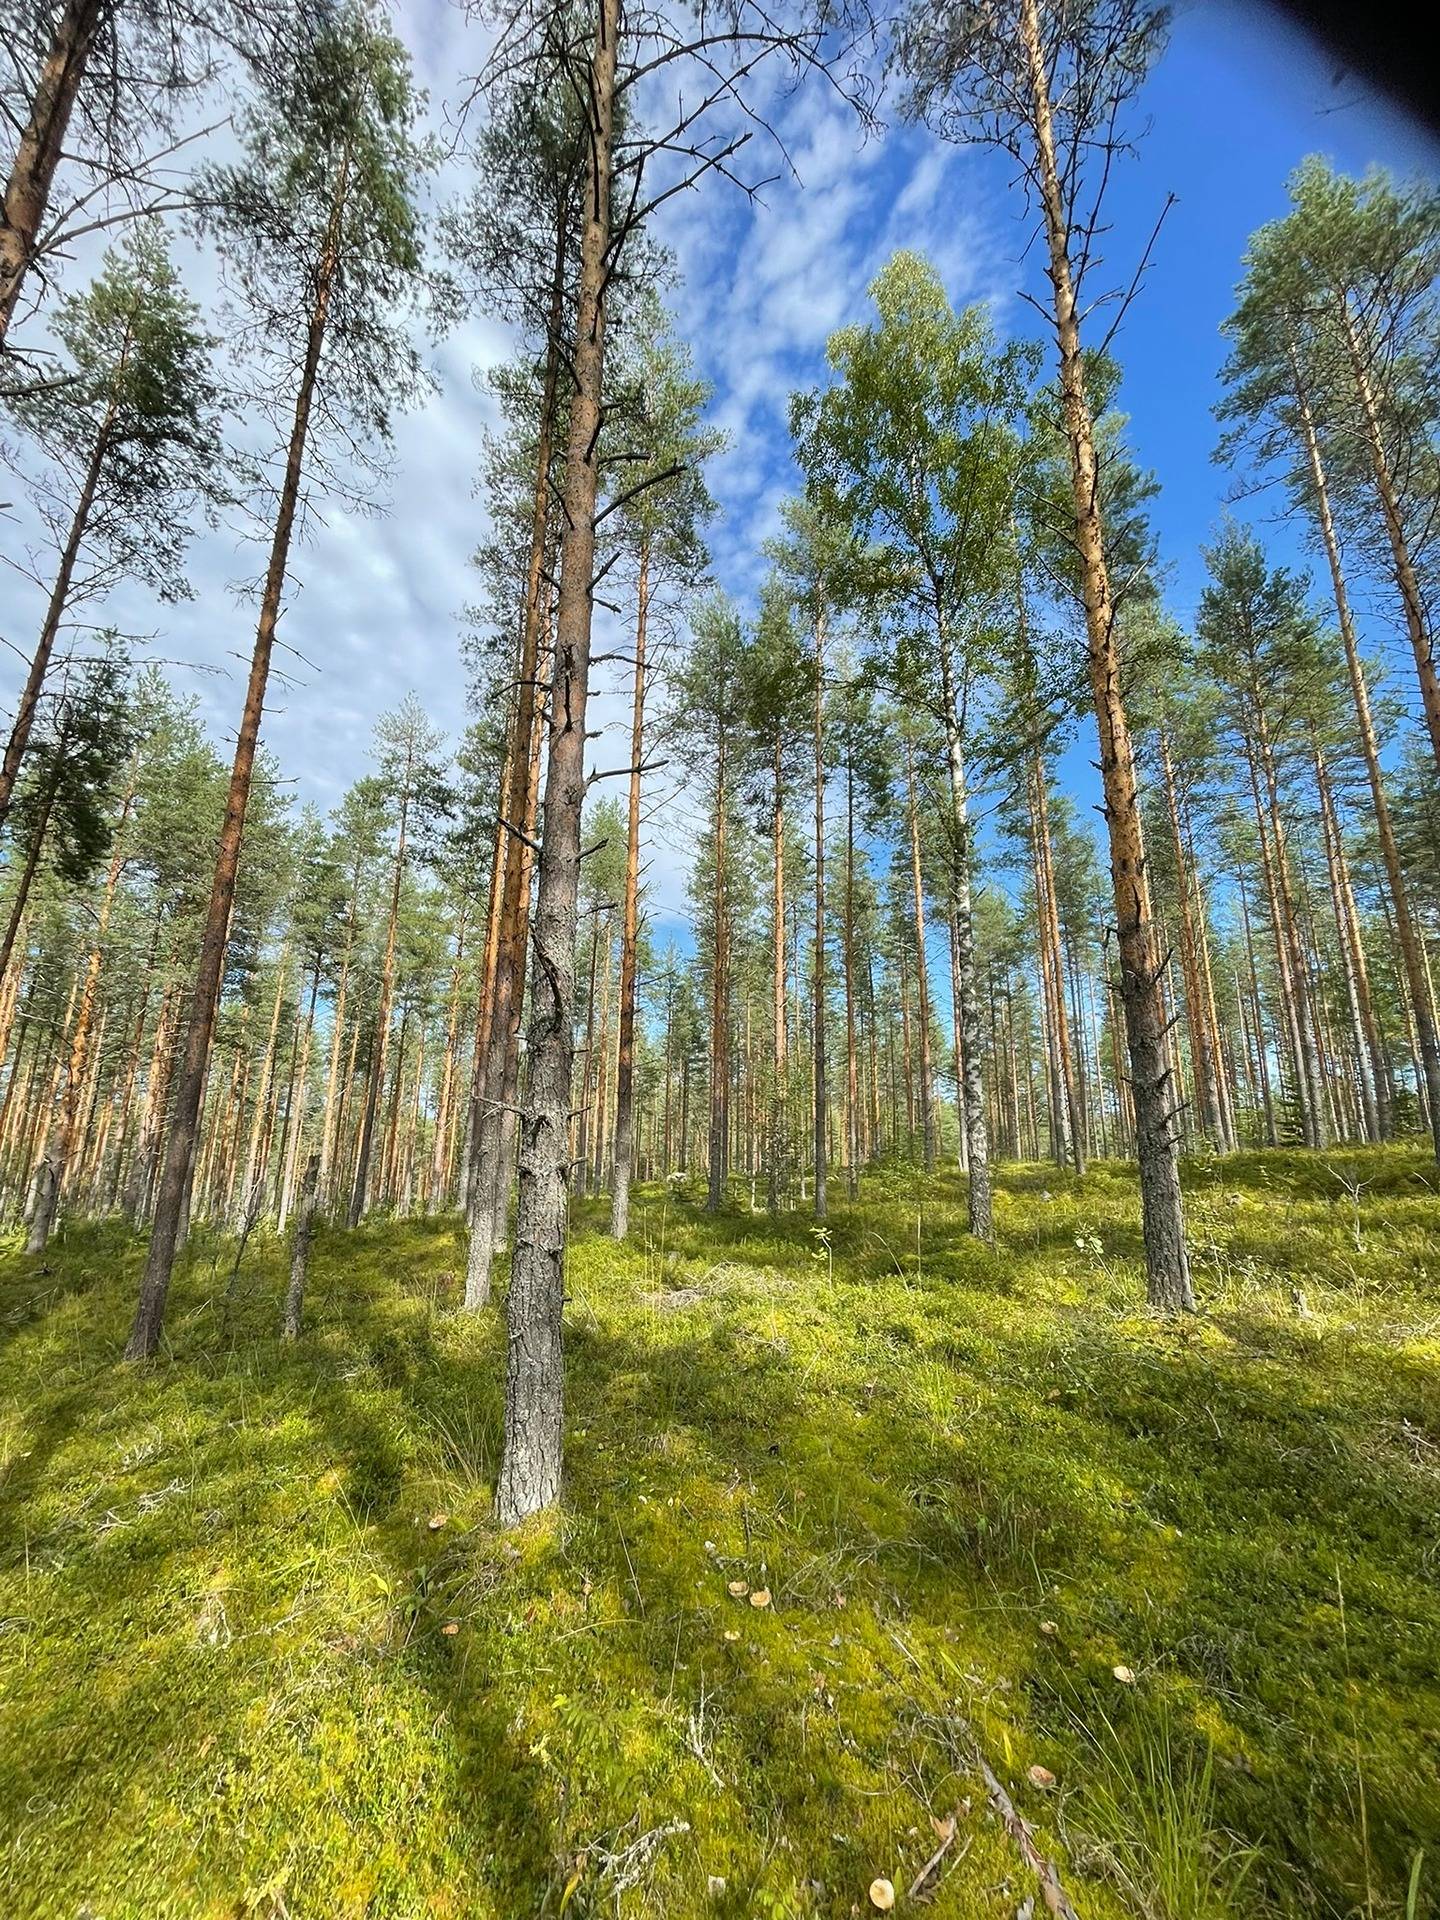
[(719, 934), (975, 1484)]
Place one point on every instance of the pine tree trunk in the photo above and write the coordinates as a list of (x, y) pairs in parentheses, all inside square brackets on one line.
[(719, 1141), (379, 1052), (1044, 856), (27, 873), (300, 1249), (42, 143), (1365, 1034), (63, 1139), (1204, 1063), (1407, 934), (534, 1378), (779, 1056), (1406, 582), (23, 724), (295, 1106), (437, 1192), (821, 1089), (1162, 1217), (253, 1156), (172, 1206), (497, 1073), (847, 956)]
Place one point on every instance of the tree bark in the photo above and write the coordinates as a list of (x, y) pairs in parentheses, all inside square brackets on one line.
[(821, 1089), (300, 1249), (534, 1376), (1407, 585), (42, 143), (63, 1138), (922, 971), (498, 1071), (24, 721), (1407, 935), (172, 1204), (777, 1148), (1167, 1262)]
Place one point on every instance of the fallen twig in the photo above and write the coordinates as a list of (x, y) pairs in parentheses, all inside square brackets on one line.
[(952, 1827), (1022, 1833)]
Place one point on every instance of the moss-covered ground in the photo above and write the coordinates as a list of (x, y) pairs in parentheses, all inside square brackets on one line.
[(242, 1674)]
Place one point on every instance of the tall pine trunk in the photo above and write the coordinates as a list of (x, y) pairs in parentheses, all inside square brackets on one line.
[(1408, 937), (497, 1061), (1167, 1264), (173, 1203), (534, 1375), (42, 143)]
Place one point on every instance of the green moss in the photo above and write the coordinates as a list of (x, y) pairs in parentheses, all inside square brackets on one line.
[(972, 1482)]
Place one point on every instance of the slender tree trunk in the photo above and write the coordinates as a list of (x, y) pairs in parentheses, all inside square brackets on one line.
[(63, 1138), (379, 1052), (922, 971), (300, 1249), (1261, 1050), (719, 1143), (1407, 934), (821, 1088), (1369, 1063), (1406, 582), (980, 1214), (42, 143), (847, 957), (172, 1205), (1166, 1259), (438, 1189), (253, 1156), (497, 1064), (296, 1104), (1045, 858), (534, 1378), (27, 872), (1204, 1064), (779, 1058)]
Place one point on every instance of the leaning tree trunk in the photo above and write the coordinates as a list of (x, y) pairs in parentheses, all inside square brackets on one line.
[(172, 1204), (42, 144), (27, 873), (29, 702), (534, 1372), (1417, 624), (1167, 1264)]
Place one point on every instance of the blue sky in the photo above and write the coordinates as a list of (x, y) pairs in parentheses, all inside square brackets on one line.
[(1237, 101)]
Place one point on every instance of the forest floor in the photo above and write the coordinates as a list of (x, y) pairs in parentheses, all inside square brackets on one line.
[(1188, 1572)]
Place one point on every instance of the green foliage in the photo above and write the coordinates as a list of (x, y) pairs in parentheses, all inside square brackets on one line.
[(973, 1483), (133, 417)]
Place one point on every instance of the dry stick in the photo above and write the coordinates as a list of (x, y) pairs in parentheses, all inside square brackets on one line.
[(1023, 1834)]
